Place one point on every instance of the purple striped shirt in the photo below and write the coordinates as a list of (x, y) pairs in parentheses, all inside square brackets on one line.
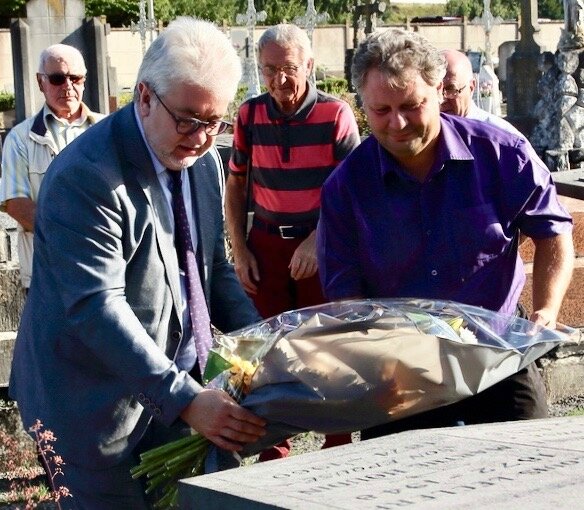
[(384, 234)]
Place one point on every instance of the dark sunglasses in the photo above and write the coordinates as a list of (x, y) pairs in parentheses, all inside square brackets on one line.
[(60, 79)]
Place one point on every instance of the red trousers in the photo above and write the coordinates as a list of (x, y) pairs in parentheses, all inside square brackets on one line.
[(277, 293)]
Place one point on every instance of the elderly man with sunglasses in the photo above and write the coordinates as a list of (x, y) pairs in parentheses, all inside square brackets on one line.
[(32, 145)]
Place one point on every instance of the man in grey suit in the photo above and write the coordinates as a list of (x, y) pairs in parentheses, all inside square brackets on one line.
[(104, 356)]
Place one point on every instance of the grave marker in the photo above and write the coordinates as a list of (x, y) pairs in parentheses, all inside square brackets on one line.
[(528, 464), (250, 64)]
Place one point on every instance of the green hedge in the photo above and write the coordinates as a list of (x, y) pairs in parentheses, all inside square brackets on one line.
[(7, 101)]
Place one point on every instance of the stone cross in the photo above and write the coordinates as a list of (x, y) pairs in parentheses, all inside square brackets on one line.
[(144, 24), (310, 19), (368, 12), (308, 22), (250, 67), (488, 21)]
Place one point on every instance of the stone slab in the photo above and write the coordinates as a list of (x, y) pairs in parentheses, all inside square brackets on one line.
[(535, 464), (570, 183)]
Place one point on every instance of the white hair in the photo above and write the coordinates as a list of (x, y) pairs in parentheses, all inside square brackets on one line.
[(193, 52), (286, 35), (62, 53)]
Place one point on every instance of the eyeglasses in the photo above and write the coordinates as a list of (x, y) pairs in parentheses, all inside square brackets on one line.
[(188, 126), (271, 71), (59, 79), (452, 92)]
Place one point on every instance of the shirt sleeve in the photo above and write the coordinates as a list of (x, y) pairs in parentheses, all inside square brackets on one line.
[(241, 151), (541, 215), (15, 182)]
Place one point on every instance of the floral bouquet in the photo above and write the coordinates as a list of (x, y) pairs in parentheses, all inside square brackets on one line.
[(349, 365)]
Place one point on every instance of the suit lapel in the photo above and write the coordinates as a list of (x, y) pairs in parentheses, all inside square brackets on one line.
[(141, 168)]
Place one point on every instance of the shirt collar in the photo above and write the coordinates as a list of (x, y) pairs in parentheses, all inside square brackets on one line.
[(302, 112), (50, 116), (451, 147)]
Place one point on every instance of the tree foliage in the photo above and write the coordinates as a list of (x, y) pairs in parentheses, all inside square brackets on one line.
[(506, 9), (123, 12)]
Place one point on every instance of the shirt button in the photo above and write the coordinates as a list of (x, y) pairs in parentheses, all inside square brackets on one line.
[(428, 232), (434, 272)]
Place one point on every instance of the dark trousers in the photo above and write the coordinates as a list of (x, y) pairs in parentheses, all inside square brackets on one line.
[(521, 396)]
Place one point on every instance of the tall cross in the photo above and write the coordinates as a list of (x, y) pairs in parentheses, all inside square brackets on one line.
[(250, 18), (310, 19), (488, 21), (144, 24), (308, 22), (365, 17)]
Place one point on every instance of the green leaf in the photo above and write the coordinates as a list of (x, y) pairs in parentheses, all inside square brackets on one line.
[(215, 365)]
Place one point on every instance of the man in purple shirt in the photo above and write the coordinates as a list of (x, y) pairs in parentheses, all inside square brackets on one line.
[(432, 206)]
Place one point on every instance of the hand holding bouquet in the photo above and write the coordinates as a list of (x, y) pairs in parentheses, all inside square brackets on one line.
[(350, 365)]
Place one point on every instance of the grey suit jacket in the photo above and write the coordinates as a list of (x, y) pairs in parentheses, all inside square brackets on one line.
[(101, 325)]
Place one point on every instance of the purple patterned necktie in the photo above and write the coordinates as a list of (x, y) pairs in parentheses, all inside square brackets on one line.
[(187, 261)]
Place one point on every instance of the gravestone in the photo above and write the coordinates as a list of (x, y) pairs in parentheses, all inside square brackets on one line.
[(558, 136), (522, 71), (50, 22), (489, 97), (364, 22), (532, 464), (146, 24), (250, 63), (505, 50), (308, 22), (11, 295)]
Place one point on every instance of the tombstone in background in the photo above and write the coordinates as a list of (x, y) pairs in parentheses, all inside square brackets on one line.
[(250, 64), (364, 23), (506, 49), (546, 134), (50, 22), (489, 96), (559, 134), (308, 22), (522, 71)]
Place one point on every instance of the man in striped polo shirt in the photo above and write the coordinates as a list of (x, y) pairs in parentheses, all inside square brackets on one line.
[(291, 138)]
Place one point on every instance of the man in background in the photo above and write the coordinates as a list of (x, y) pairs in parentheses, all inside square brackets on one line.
[(30, 146), (459, 86), (286, 143)]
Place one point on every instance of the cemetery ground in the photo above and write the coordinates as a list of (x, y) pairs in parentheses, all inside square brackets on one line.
[(22, 484)]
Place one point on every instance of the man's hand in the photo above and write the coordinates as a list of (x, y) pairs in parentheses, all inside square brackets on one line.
[(220, 419), (303, 263), (246, 269), (544, 317)]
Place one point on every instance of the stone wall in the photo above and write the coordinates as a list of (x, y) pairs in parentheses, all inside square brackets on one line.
[(330, 43)]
